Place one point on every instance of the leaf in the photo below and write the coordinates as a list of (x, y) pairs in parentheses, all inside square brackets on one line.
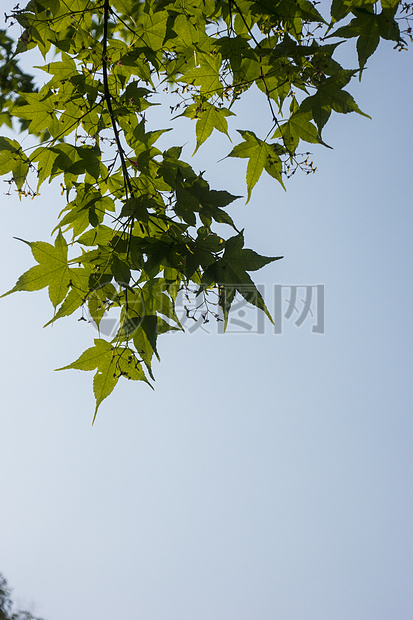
[(104, 380), (137, 206), (331, 96), (12, 159), (298, 127), (99, 235), (389, 4), (188, 35), (145, 346), (235, 263), (121, 271), (62, 70), (39, 111), (101, 357), (261, 156), (91, 358), (111, 363), (152, 29), (45, 158), (230, 272), (341, 8), (209, 118), (206, 76), (8, 149), (365, 26), (255, 150), (77, 295), (52, 271), (243, 259), (20, 170)]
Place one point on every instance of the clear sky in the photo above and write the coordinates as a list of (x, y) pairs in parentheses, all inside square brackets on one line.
[(267, 476)]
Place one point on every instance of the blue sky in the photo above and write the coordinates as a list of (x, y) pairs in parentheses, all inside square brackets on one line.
[(267, 476)]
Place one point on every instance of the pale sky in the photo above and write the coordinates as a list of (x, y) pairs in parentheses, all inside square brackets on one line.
[(267, 476)]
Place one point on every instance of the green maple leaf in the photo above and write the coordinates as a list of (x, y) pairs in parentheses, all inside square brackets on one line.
[(261, 156), (52, 271), (230, 272), (331, 96), (236, 261), (298, 127), (110, 363), (45, 157), (365, 26), (39, 111), (12, 159), (244, 259), (210, 118), (206, 76), (78, 292), (63, 69), (152, 29), (368, 27)]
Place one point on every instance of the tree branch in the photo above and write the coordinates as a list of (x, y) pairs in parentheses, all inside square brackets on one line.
[(108, 99)]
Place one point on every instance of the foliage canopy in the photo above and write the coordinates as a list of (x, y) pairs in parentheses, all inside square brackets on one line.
[(6, 605), (140, 224)]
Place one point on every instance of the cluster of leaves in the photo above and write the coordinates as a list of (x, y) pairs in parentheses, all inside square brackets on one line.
[(140, 222), (13, 80), (6, 605)]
